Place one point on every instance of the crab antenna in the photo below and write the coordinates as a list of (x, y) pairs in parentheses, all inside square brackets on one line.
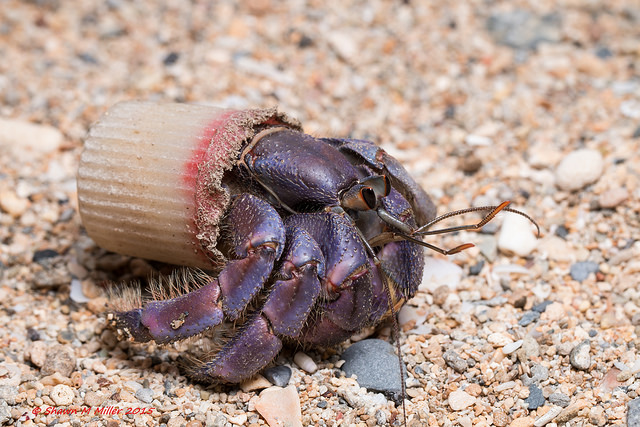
[(424, 230)]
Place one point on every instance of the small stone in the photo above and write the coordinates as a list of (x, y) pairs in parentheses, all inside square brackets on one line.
[(8, 394), (522, 422), (459, 400), (62, 395), (579, 169), (536, 398), (145, 395), (528, 318), (454, 360), (98, 367), (612, 198), (43, 254), (633, 413), (580, 270), (256, 382), (475, 269), (94, 399), (539, 373), (239, 420), (510, 348), (542, 307), (498, 339), (559, 399), (305, 362), (59, 359), (278, 375), (440, 294), (580, 357), (470, 164), (530, 347), (500, 418), (522, 29), (375, 365), (27, 140), (65, 336), (11, 374), (571, 411), (280, 406), (438, 272), (517, 236), (12, 204), (548, 417)]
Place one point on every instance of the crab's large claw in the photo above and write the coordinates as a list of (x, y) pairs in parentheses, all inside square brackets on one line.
[(258, 238)]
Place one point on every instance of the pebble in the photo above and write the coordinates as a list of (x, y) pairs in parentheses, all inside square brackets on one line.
[(633, 413), (536, 398), (571, 411), (239, 420), (375, 364), (579, 169), (559, 399), (522, 29), (12, 204), (8, 393), (62, 395), (460, 399), (548, 417), (528, 317), (438, 272), (27, 140), (280, 406), (305, 363), (500, 418), (454, 360), (256, 382), (278, 375), (10, 374), (510, 348), (498, 339), (612, 198), (522, 422), (580, 357), (145, 395), (517, 236), (580, 270), (59, 359), (539, 373), (94, 399)]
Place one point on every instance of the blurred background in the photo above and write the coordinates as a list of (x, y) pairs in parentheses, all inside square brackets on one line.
[(483, 101)]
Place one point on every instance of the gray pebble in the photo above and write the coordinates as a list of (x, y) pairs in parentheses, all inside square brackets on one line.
[(580, 357), (580, 270), (560, 399), (539, 373), (633, 413), (540, 308), (381, 418), (322, 404), (536, 398), (454, 360), (521, 29), (375, 364), (59, 359), (278, 375), (5, 413), (528, 318), (145, 395)]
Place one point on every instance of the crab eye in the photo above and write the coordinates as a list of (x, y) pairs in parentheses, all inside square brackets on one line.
[(368, 196), (380, 184)]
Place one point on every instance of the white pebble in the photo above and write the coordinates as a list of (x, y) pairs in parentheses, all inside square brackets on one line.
[(511, 347), (613, 197), (579, 169), (459, 400), (438, 272), (12, 204), (62, 395), (517, 236), (305, 362), (28, 140), (548, 417)]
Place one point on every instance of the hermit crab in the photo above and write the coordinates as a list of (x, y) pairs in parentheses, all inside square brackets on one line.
[(307, 240)]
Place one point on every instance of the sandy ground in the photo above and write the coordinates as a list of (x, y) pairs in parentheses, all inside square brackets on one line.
[(537, 103)]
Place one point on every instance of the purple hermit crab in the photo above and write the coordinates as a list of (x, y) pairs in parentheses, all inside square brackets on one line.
[(309, 239)]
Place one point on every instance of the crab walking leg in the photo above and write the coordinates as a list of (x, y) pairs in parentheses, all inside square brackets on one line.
[(284, 313), (258, 237)]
